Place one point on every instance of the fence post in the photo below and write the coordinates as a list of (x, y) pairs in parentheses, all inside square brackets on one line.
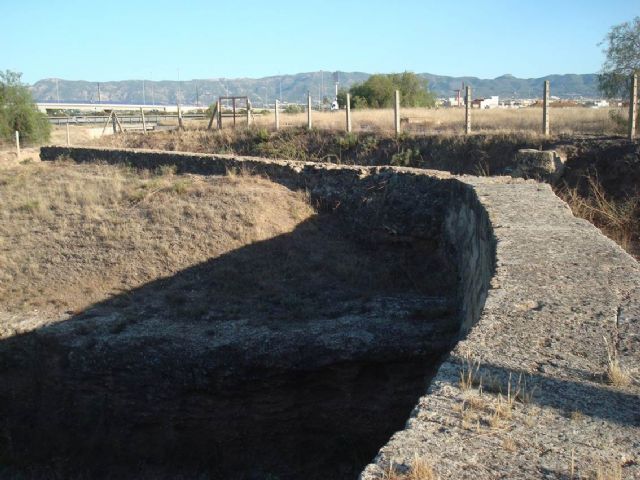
[(396, 112), (348, 108), (633, 106), (68, 136), (219, 114), (113, 122), (545, 108), (180, 124), (467, 110), (144, 123), (277, 114), (18, 144), (309, 110), (248, 112)]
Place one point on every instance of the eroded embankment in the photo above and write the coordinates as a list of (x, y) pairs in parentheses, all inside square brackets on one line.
[(530, 391), (294, 394), (601, 180)]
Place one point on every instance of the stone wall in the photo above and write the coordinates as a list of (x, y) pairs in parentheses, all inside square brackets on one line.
[(381, 203), (541, 318)]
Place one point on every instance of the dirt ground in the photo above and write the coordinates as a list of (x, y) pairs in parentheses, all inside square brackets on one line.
[(71, 235)]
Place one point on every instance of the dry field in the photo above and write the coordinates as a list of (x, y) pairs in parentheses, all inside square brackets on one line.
[(451, 120), (443, 120), (71, 235), (79, 238)]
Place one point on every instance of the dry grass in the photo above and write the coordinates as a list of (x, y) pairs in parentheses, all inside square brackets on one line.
[(618, 219), (451, 120), (441, 120), (71, 235), (615, 374), (420, 469)]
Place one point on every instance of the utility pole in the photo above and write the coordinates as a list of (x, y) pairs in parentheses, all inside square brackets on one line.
[(99, 94), (144, 99), (178, 93), (57, 91)]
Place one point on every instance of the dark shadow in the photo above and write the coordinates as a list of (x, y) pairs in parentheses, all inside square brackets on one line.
[(591, 397), (294, 357)]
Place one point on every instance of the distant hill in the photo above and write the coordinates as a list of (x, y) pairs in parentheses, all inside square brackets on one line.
[(293, 88)]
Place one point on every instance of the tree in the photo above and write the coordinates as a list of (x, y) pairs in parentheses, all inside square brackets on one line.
[(18, 112), (379, 91), (622, 58)]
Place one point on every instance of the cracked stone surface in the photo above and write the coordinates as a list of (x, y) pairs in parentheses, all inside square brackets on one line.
[(560, 289)]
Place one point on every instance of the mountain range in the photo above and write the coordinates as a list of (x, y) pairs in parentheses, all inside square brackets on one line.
[(293, 88)]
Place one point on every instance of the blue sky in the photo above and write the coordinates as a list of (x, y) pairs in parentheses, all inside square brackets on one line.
[(117, 40)]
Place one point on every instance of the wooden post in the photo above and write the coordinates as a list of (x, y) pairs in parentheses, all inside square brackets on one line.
[(348, 109), (18, 144), (68, 136), (248, 112), (113, 122), (214, 115), (309, 110), (545, 108), (115, 116), (467, 110), (633, 106), (144, 123), (234, 112), (219, 114), (277, 115), (396, 112), (180, 124)]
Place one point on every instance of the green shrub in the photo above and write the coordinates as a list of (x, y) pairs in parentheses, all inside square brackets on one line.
[(379, 91), (19, 113), (292, 108)]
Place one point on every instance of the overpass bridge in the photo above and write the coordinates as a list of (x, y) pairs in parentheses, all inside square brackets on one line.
[(101, 107)]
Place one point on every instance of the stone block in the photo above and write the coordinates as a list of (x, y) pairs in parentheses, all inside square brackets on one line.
[(537, 164)]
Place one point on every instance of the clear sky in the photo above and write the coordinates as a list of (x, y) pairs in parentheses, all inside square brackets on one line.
[(159, 40)]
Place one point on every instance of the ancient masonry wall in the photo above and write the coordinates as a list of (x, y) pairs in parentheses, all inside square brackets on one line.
[(545, 302)]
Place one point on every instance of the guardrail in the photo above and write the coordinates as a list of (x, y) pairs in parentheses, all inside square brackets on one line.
[(128, 119)]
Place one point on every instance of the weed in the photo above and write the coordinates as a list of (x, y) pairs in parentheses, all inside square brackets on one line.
[(420, 469), (616, 374), (468, 373)]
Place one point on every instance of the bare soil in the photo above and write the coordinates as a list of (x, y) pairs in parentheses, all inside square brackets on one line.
[(71, 235)]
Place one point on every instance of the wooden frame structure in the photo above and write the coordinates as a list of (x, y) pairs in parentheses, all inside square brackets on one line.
[(218, 115)]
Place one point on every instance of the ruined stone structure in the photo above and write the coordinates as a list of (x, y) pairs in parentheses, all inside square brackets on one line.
[(537, 292)]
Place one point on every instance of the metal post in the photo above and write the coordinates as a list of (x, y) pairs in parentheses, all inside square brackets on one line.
[(18, 144), (309, 110), (633, 106), (545, 108), (467, 110), (396, 112), (68, 136), (144, 123), (277, 115), (348, 108)]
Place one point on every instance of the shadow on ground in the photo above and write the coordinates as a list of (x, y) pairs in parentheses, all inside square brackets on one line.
[(295, 357)]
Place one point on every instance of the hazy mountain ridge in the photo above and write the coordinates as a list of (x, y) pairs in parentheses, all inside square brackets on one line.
[(293, 88)]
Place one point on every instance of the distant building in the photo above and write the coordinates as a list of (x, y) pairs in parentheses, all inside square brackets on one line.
[(486, 103)]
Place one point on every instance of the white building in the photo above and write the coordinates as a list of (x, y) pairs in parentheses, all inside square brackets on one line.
[(491, 102)]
